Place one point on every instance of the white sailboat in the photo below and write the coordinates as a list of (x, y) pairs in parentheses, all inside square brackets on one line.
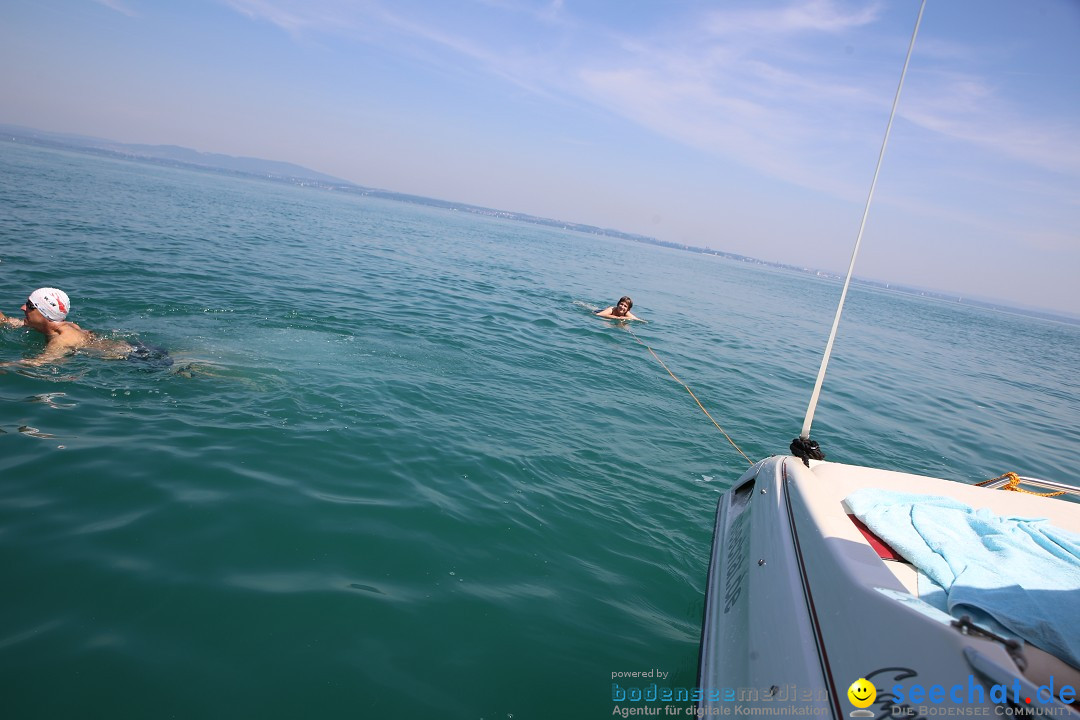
[(836, 590)]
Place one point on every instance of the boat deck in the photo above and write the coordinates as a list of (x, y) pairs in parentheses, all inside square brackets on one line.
[(798, 597)]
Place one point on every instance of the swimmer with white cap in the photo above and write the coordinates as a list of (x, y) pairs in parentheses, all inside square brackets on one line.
[(46, 310)]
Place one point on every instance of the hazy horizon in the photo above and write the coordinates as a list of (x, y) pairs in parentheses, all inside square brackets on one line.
[(748, 127)]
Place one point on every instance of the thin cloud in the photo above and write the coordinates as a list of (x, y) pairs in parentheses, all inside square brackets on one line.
[(819, 16), (416, 35), (749, 85), (117, 6), (742, 86), (970, 111), (294, 19), (734, 84), (551, 12)]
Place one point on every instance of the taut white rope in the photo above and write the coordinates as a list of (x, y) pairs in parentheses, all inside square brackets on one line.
[(805, 434)]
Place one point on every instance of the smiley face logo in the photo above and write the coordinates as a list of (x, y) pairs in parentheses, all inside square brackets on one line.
[(862, 693)]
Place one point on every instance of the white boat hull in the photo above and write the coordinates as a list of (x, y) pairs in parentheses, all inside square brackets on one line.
[(800, 605)]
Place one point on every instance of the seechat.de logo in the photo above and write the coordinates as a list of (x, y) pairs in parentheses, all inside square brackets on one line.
[(862, 694)]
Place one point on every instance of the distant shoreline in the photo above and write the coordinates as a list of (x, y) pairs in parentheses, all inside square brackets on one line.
[(185, 158)]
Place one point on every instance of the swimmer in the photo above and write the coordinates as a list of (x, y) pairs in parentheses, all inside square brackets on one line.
[(619, 311), (45, 311)]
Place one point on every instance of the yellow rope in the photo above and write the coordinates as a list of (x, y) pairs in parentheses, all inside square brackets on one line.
[(1014, 485), (691, 395)]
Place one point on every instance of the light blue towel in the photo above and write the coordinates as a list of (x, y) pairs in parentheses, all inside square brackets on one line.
[(1022, 572)]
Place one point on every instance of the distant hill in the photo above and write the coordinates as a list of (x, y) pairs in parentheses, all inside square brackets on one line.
[(172, 155)]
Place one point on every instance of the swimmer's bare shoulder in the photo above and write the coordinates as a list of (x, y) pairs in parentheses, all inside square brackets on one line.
[(67, 340), (608, 313), (71, 339)]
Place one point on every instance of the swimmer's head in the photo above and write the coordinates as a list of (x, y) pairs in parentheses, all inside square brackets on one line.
[(53, 304), (626, 299)]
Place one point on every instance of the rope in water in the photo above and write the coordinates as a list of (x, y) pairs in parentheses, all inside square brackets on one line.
[(1014, 485), (653, 352)]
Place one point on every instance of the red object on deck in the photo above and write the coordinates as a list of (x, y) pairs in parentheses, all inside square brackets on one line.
[(880, 546)]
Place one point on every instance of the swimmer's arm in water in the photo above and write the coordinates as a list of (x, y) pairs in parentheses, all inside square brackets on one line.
[(57, 350), (10, 321), (52, 353), (70, 339), (607, 313)]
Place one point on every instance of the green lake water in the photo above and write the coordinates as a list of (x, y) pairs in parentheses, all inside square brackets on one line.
[(398, 469)]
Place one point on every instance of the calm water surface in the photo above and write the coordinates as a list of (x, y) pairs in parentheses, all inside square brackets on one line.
[(398, 469)]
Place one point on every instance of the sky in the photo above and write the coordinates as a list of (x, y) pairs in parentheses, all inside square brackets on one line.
[(749, 126)]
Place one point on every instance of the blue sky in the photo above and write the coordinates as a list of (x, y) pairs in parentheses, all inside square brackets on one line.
[(751, 126)]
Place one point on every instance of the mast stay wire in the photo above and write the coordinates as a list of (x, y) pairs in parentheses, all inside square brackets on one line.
[(803, 442)]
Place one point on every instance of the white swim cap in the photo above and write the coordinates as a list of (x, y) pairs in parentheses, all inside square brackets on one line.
[(51, 303)]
